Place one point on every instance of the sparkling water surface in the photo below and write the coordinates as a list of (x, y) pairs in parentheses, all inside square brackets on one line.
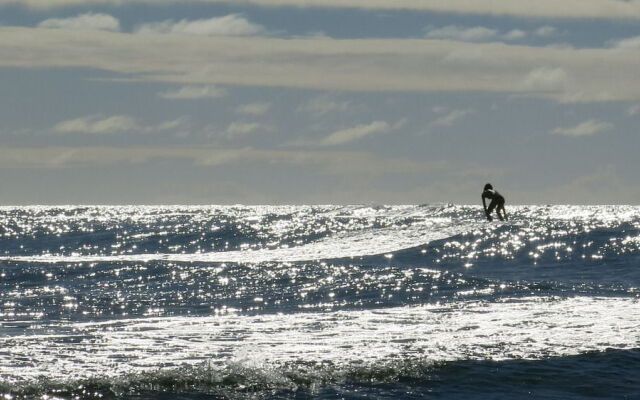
[(298, 302)]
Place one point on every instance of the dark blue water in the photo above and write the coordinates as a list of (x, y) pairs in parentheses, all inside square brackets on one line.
[(319, 302)]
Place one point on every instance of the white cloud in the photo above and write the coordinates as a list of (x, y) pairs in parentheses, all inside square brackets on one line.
[(178, 123), (453, 32), (229, 25), (439, 109), (545, 31), (322, 105), (88, 21), (357, 132), (629, 43), (194, 92), (515, 34), (586, 128), (602, 185), (629, 9), (180, 127), (341, 163), (236, 129), (546, 79), (100, 124), (254, 108), (474, 34), (97, 124), (634, 110), (450, 118), (564, 74)]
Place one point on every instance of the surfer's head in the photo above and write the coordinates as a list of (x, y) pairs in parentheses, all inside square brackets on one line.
[(488, 187)]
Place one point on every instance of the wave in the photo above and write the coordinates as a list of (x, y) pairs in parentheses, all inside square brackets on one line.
[(275, 234), (307, 297), (519, 328), (554, 377), (342, 245)]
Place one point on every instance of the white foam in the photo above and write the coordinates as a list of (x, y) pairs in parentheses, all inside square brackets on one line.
[(529, 328), (341, 245)]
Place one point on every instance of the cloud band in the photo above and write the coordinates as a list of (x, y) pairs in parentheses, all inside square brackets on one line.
[(541, 8), (565, 74)]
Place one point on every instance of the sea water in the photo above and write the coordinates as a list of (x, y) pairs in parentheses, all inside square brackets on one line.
[(319, 302)]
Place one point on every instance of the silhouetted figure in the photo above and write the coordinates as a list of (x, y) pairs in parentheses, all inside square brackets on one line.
[(497, 202)]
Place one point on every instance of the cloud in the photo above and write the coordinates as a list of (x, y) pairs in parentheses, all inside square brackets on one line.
[(254, 108), (586, 128), (474, 34), (515, 34), (236, 129), (341, 163), (194, 92), (603, 185), (633, 110), (439, 109), (90, 21), (229, 25), (180, 127), (322, 105), (450, 118), (334, 65), (629, 9), (104, 125), (628, 44), (453, 32), (97, 124), (178, 123), (546, 79), (545, 31), (357, 132)]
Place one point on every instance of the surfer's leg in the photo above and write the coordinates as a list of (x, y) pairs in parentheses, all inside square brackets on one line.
[(491, 207), (502, 214)]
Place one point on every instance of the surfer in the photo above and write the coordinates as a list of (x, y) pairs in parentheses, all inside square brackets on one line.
[(497, 202)]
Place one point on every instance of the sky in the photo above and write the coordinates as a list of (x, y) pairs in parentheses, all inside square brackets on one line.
[(319, 101)]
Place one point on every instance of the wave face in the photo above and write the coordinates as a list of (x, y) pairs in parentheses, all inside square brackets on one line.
[(320, 302)]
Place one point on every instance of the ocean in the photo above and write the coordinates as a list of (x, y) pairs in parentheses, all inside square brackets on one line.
[(319, 302)]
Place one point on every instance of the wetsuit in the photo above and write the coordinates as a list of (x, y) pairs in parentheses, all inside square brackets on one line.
[(497, 203)]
